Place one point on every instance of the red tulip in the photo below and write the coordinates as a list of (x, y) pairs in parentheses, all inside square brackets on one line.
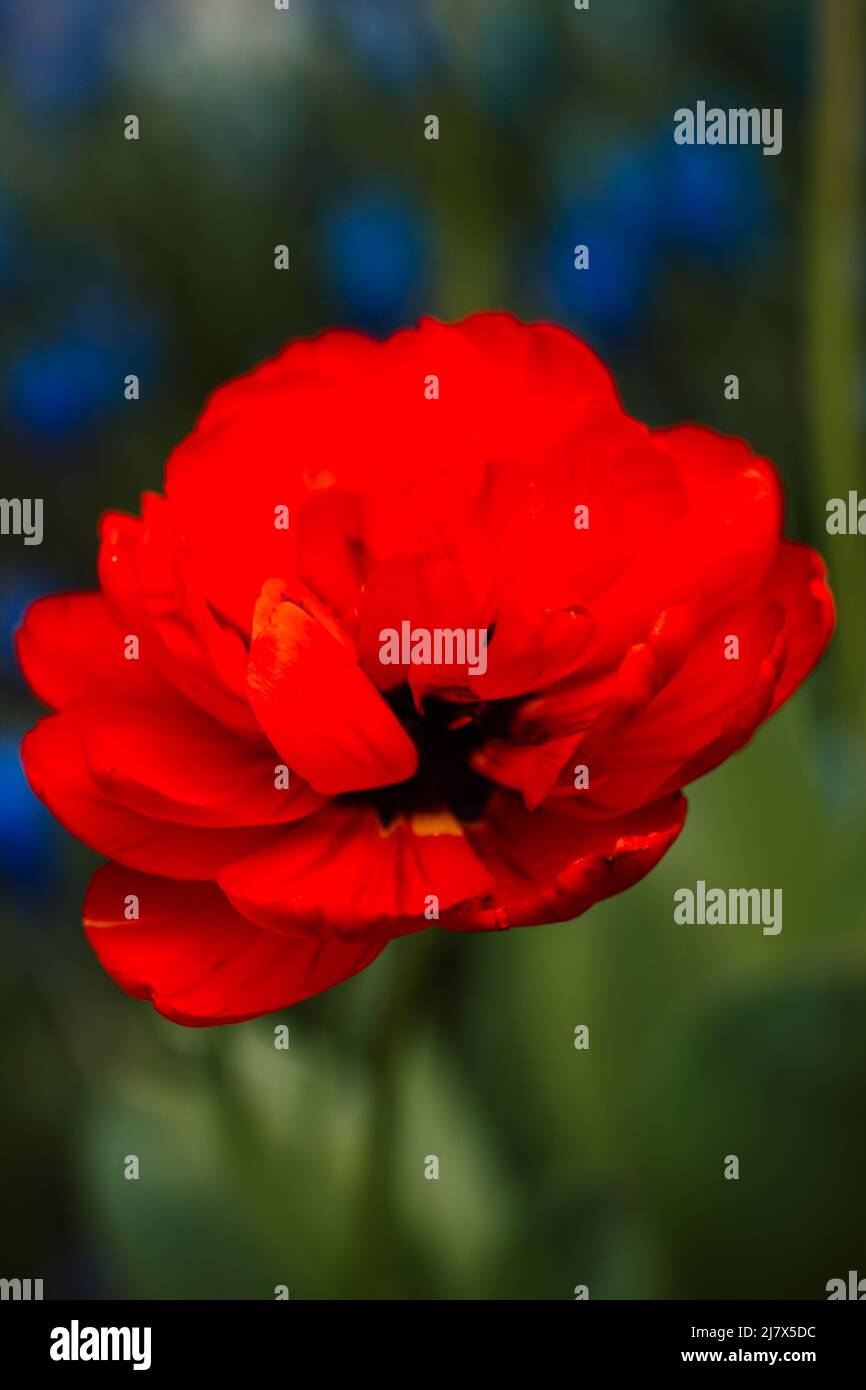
[(423, 632)]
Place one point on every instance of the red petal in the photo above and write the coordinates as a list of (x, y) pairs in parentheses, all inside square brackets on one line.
[(530, 384), (799, 582), (709, 709), (587, 713), (187, 768), (342, 873), (548, 868), (334, 357), (70, 649), (312, 419), (330, 549), (718, 551), (316, 705), (530, 648), (530, 511), (198, 960), (427, 592), (305, 433), (56, 769), (137, 574)]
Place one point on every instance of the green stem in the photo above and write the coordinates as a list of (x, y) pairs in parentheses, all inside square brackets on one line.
[(378, 1266), (833, 313)]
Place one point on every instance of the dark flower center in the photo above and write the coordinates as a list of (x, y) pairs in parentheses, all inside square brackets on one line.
[(445, 734)]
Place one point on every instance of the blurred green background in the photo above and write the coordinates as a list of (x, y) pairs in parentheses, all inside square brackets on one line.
[(558, 1167)]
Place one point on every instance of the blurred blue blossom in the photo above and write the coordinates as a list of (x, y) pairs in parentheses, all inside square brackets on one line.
[(605, 297), (57, 387), (632, 188), (648, 203), (57, 53), (62, 383), (618, 216), (717, 199), (374, 247), (29, 837)]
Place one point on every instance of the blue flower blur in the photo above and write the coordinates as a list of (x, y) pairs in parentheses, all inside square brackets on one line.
[(374, 246)]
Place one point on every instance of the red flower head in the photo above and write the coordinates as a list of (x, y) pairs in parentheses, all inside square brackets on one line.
[(422, 632)]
